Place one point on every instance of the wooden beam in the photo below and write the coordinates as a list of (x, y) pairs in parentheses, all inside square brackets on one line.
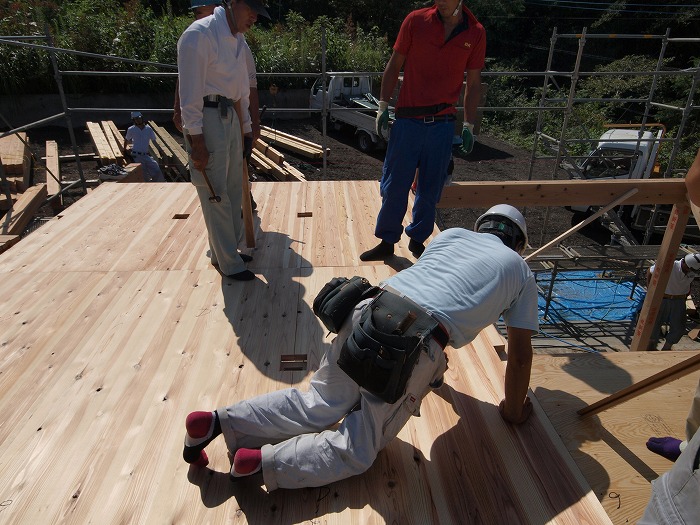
[(16, 219), (53, 174), (664, 264), (661, 378), (15, 155), (484, 194), (8, 241), (134, 173), (268, 151)]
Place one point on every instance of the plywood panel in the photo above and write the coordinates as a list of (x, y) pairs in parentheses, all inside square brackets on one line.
[(610, 447), (114, 326)]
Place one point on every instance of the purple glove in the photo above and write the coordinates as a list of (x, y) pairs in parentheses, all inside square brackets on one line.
[(668, 447)]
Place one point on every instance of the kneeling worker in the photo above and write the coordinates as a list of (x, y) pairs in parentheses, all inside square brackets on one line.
[(463, 282)]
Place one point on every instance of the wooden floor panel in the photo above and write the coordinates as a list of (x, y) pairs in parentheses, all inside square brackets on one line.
[(609, 448), (114, 326)]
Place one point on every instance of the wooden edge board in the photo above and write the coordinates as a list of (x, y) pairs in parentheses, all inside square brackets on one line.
[(16, 220), (8, 241)]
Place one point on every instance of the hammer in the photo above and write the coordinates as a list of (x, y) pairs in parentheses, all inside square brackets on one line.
[(214, 197)]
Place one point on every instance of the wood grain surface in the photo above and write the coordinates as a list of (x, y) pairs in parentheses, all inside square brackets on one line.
[(114, 326)]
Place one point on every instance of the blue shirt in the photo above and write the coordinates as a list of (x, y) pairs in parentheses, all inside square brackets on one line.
[(467, 280)]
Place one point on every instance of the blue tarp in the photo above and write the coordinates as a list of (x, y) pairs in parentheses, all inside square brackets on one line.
[(585, 296)]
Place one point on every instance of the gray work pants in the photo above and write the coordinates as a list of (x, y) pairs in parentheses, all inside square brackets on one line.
[(292, 426), (225, 171)]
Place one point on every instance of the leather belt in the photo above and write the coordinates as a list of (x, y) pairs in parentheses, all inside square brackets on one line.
[(669, 296), (138, 152), (213, 101), (438, 118), (440, 333)]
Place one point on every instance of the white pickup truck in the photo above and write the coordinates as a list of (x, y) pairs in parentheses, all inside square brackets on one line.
[(349, 102), (622, 153)]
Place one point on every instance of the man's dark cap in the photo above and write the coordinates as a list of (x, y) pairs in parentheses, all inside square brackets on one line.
[(258, 7)]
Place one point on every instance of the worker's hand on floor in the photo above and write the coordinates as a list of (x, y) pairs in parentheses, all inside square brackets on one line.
[(516, 419), (382, 124), (467, 138)]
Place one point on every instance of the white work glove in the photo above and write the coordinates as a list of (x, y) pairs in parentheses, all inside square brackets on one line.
[(382, 124), (468, 138)]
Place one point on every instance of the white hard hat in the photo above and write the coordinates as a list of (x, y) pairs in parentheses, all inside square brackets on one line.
[(136, 114), (693, 261), (507, 211)]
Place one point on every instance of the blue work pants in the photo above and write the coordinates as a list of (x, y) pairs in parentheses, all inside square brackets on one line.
[(414, 144)]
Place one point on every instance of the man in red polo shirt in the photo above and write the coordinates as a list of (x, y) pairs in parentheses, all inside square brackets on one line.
[(435, 47)]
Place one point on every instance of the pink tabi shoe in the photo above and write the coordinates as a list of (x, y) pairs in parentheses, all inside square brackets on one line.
[(202, 428), (246, 462)]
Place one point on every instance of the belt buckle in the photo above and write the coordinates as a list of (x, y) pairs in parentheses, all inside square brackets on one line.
[(429, 120)]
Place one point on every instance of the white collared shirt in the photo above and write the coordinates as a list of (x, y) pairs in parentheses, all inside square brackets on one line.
[(211, 61)]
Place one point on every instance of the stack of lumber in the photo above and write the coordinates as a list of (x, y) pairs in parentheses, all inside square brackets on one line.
[(23, 210), (16, 161), (297, 145), (168, 152), (108, 146), (268, 160)]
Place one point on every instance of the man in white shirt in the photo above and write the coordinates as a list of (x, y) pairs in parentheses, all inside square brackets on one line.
[(214, 85), (463, 282), (672, 310), (140, 135)]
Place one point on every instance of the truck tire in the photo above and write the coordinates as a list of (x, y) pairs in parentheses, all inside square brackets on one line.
[(364, 142)]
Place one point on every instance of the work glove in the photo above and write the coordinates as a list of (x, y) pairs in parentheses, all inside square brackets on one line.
[(247, 146), (382, 124), (467, 138)]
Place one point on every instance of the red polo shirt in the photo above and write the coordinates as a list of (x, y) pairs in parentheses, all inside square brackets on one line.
[(434, 69)]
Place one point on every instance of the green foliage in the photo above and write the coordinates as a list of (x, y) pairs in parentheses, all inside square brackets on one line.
[(296, 47)]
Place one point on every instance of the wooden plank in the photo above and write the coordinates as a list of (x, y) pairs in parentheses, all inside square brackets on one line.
[(53, 174), (118, 137), (269, 152), (294, 138), (16, 220), (99, 141), (117, 148), (15, 155), (291, 145), (134, 172), (270, 168), (8, 241), (484, 194), (294, 174), (179, 154)]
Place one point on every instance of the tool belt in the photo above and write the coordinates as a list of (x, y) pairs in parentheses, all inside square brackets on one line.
[(421, 111), (385, 345), (338, 298)]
